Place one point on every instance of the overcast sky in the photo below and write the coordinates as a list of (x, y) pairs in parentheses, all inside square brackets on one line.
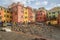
[(48, 4)]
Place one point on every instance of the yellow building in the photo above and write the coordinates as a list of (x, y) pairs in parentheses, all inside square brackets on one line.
[(25, 15), (7, 17)]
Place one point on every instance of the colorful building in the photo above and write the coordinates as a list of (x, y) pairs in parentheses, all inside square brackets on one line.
[(5, 16), (59, 19), (17, 12), (31, 15), (41, 15), (25, 15), (52, 18), (1, 15), (52, 15)]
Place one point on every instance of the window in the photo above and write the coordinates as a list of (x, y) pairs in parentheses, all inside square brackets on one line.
[(11, 12), (54, 17), (7, 16), (49, 13), (58, 11), (7, 21), (40, 17), (25, 12), (26, 8), (4, 21), (7, 11), (0, 17), (10, 20), (53, 12), (36, 18), (4, 15), (4, 10), (26, 17), (10, 16), (40, 13)]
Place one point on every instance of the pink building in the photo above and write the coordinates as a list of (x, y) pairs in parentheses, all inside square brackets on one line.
[(31, 15), (17, 12), (41, 16)]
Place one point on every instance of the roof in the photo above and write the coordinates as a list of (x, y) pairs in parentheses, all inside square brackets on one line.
[(55, 9)]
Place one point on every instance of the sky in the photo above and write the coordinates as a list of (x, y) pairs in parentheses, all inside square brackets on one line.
[(48, 4)]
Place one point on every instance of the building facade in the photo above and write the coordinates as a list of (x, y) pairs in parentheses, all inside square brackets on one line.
[(17, 12), (41, 15), (5, 16), (1, 15), (52, 15), (25, 15), (31, 15)]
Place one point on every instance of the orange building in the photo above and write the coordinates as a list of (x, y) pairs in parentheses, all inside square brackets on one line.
[(1, 15), (17, 12), (41, 15), (5, 16)]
